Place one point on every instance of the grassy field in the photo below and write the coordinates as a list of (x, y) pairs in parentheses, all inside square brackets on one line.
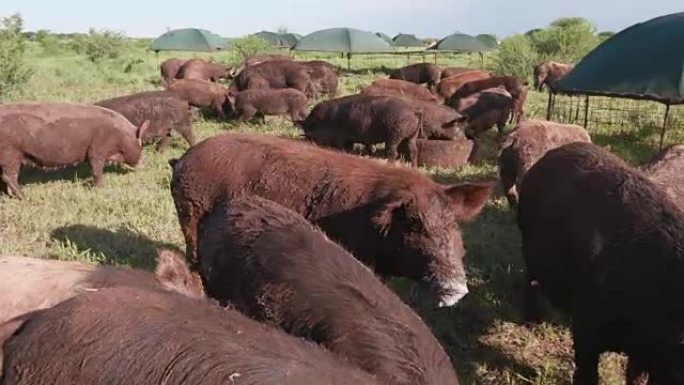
[(122, 222)]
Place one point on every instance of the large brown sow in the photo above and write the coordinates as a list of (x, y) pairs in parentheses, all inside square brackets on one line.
[(605, 244), (276, 267), (276, 74), (515, 87), (164, 110), (256, 59), (137, 336), (202, 70), (528, 143), (369, 120), (324, 76), (393, 218), (54, 135), (288, 101), (484, 110), (448, 86), (407, 88)]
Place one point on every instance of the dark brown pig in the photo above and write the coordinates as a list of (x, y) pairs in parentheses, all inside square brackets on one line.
[(515, 87), (54, 135), (246, 104), (526, 144), (201, 93), (409, 89), (666, 169), (274, 266), (485, 109), (203, 70), (392, 218), (256, 59), (368, 120), (324, 76), (30, 284), (164, 109), (451, 71), (448, 86), (169, 69), (137, 336), (439, 122), (421, 73), (276, 74), (605, 244), (549, 72)]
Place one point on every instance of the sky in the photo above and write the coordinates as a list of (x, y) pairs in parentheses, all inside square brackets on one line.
[(424, 18)]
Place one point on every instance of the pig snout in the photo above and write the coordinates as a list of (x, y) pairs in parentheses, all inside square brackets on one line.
[(451, 292)]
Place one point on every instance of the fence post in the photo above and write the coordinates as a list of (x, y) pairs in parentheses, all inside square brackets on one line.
[(662, 132), (586, 111)]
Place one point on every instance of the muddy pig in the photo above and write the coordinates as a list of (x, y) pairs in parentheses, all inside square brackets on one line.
[(274, 266), (54, 135), (392, 218), (164, 109), (246, 104)]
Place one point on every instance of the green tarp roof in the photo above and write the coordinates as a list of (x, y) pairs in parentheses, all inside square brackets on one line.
[(644, 61), (488, 40), (385, 37), (190, 39), (406, 40), (278, 40), (462, 43), (346, 40)]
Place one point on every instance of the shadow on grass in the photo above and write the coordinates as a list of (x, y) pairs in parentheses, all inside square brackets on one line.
[(120, 247), (81, 172)]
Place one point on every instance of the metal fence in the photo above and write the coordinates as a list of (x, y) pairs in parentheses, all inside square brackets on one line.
[(618, 115)]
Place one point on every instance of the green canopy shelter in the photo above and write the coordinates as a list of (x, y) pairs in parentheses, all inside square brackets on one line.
[(190, 39), (269, 37), (344, 40), (385, 37), (406, 40), (460, 42), (644, 61), (488, 40)]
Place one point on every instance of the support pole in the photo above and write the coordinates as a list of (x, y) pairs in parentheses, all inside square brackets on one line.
[(662, 132), (548, 105), (586, 111)]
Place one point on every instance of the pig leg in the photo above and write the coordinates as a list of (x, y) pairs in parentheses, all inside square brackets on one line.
[(11, 164), (217, 105), (636, 374), (248, 113), (587, 352), (97, 165), (392, 150), (412, 145)]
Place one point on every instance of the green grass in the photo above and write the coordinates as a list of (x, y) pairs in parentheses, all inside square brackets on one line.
[(122, 222)]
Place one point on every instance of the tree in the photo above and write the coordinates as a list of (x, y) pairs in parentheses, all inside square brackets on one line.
[(516, 56), (14, 71), (566, 40)]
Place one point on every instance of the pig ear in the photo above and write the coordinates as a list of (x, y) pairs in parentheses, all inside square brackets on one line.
[(468, 199), (383, 217), (141, 130)]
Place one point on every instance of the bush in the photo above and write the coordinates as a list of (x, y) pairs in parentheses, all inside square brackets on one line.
[(98, 45), (48, 42), (14, 71), (566, 40), (250, 45), (516, 56)]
